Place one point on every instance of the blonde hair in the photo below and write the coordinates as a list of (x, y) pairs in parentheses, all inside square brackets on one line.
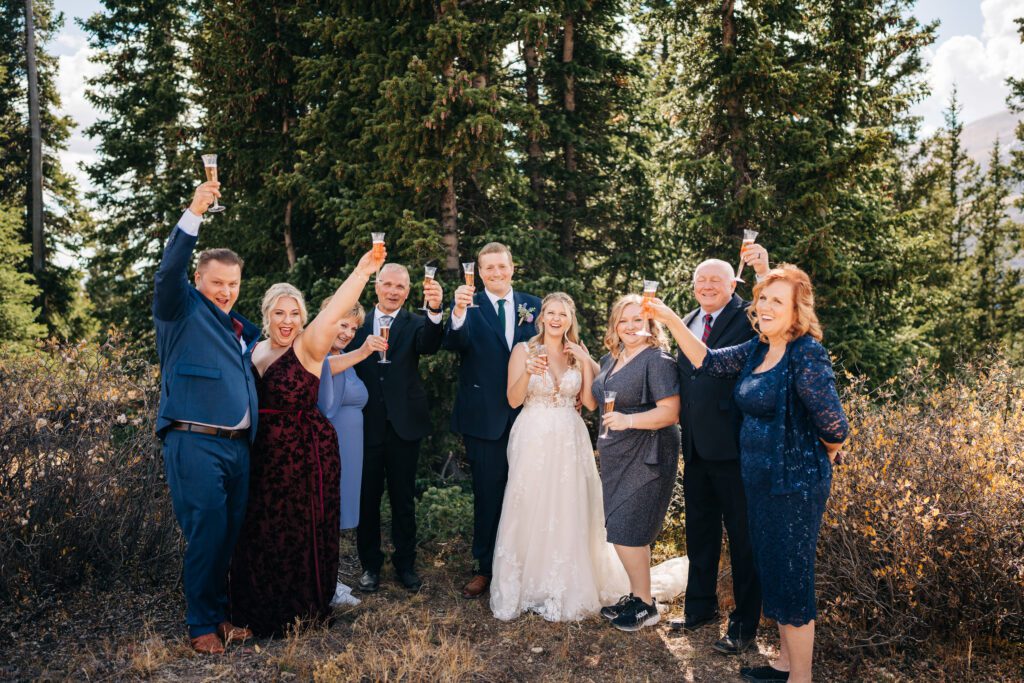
[(805, 320), (357, 311), (277, 291), (657, 340), (572, 334)]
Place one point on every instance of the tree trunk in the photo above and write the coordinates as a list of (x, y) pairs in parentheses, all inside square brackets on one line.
[(289, 245), (569, 102), (534, 154), (734, 116), (450, 225), (36, 153)]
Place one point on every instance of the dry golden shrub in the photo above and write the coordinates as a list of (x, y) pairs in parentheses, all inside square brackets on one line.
[(923, 536)]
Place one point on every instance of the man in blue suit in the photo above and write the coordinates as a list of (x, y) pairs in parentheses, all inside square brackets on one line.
[(484, 336), (207, 415)]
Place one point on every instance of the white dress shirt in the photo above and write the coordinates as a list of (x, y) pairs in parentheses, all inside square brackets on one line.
[(510, 314), (378, 314), (697, 324)]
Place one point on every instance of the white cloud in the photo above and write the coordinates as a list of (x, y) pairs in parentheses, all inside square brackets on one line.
[(74, 68), (977, 66)]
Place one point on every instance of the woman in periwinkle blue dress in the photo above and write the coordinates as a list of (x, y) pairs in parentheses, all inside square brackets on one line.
[(341, 400), (793, 427)]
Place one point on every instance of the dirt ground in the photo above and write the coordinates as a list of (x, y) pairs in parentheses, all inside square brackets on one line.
[(434, 635)]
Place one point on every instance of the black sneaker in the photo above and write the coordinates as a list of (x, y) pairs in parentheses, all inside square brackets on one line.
[(636, 615), (612, 611), (764, 673)]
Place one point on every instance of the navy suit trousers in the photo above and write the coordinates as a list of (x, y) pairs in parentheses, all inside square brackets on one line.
[(488, 462), (209, 481)]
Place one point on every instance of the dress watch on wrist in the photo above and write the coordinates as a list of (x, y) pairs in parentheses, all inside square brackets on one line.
[(439, 309)]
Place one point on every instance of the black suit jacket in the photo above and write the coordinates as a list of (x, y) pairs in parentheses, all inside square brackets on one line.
[(396, 393), (708, 414)]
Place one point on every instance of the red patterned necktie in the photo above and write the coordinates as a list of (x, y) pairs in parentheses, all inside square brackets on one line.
[(237, 326), (707, 327)]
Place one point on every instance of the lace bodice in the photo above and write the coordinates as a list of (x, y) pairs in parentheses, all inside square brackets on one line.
[(541, 390)]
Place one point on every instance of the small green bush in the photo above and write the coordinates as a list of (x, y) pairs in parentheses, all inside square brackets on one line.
[(444, 514)]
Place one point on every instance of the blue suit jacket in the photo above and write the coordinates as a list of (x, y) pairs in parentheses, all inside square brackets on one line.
[(204, 374), (481, 405)]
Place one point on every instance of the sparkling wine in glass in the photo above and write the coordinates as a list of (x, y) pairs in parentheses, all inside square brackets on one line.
[(609, 406), (748, 238), (210, 165), (385, 331), (468, 269), (650, 291), (377, 239), (428, 276)]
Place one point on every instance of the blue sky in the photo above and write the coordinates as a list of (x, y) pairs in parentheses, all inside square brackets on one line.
[(977, 48)]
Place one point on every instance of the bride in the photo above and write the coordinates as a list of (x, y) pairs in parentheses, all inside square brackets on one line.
[(551, 556)]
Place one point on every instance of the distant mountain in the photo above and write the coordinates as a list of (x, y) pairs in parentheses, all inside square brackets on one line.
[(978, 136)]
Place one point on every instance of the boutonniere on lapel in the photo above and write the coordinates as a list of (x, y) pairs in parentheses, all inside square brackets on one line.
[(525, 314)]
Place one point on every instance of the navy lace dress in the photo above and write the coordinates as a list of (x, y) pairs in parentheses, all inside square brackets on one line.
[(786, 472)]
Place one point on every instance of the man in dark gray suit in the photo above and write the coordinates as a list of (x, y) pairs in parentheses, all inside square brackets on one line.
[(712, 487)]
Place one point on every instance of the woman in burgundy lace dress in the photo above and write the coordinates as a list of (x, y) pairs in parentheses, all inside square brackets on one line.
[(285, 565)]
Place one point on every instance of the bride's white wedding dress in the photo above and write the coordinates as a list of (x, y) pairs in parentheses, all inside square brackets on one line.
[(551, 556)]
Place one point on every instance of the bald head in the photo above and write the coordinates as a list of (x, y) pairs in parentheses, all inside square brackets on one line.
[(714, 281)]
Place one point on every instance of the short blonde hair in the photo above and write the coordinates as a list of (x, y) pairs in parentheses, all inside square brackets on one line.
[(357, 311), (805, 320), (278, 291), (657, 340), (495, 248)]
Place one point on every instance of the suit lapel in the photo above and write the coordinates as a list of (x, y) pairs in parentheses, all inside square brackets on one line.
[(688, 320), (400, 319), (524, 330), (728, 313)]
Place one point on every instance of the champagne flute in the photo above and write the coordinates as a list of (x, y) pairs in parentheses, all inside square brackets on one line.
[(541, 354), (377, 239), (210, 165), (609, 406), (650, 291), (385, 331), (428, 276), (748, 238), (468, 268)]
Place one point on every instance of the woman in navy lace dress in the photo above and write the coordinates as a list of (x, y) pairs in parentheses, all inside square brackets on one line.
[(793, 426)]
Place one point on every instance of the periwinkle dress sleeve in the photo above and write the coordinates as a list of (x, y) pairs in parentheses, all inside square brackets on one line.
[(728, 363), (816, 386)]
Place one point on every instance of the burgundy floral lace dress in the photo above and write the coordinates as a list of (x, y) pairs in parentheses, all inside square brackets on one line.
[(286, 562)]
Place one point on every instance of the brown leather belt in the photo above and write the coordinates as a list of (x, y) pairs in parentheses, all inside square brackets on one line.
[(212, 431)]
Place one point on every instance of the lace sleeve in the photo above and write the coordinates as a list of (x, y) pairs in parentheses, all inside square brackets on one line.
[(728, 363), (816, 386)]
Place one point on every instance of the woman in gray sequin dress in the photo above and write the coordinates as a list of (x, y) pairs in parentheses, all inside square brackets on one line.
[(640, 453)]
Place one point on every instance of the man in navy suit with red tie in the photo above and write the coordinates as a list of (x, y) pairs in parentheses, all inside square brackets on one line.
[(483, 335), (207, 415)]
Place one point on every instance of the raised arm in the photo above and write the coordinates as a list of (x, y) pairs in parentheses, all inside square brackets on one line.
[(694, 349), (340, 364), (315, 341), (587, 366), (455, 335), (170, 294)]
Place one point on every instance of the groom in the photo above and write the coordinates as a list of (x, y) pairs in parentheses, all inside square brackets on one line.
[(483, 337), (207, 415)]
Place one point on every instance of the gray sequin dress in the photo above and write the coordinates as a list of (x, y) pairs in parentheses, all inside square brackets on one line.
[(638, 466)]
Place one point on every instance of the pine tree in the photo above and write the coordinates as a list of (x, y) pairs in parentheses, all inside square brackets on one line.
[(787, 118), (147, 154), (60, 303), (17, 289), (996, 278)]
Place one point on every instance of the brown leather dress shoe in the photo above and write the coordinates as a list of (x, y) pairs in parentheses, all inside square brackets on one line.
[(230, 633), (208, 644), (475, 588)]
